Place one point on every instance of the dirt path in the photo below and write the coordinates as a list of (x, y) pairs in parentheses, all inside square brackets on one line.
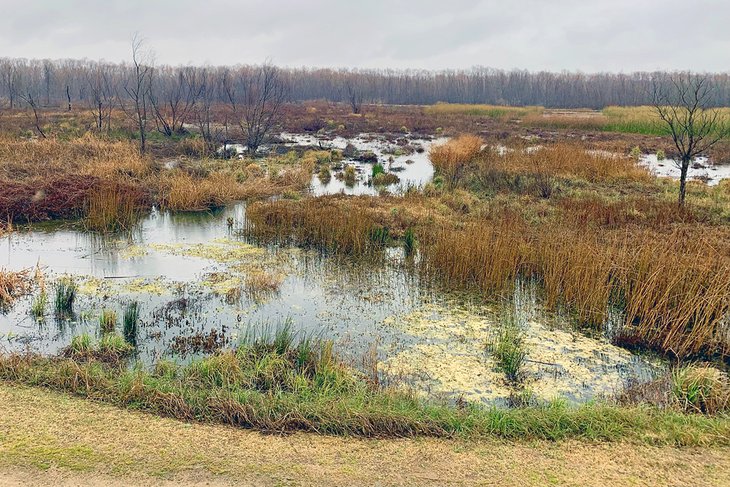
[(48, 438)]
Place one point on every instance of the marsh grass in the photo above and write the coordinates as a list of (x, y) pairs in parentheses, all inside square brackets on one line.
[(65, 296), (111, 208), (13, 284), (110, 349), (107, 321), (501, 112), (674, 301), (507, 345), (701, 389), (129, 322)]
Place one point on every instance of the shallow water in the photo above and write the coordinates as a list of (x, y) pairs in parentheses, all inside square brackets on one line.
[(700, 170), (414, 169), (189, 272)]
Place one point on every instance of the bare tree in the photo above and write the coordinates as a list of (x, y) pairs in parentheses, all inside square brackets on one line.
[(137, 87), (682, 102), (175, 101), (101, 97), (354, 94), (205, 86), (256, 96), (33, 104)]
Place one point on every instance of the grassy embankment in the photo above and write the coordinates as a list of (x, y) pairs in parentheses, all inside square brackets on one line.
[(280, 383)]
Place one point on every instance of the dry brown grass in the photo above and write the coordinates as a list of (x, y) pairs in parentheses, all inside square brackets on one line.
[(451, 159), (52, 438), (674, 288), (89, 176), (13, 284)]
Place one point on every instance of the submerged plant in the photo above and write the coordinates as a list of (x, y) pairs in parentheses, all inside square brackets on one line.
[(129, 322), (66, 289)]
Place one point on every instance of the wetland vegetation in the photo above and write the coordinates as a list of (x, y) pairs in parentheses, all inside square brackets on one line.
[(445, 270)]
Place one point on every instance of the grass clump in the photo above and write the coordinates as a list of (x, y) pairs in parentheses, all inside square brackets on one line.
[(38, 306), (110, 349), (12, 286), (66, 289), (385, 179), (111, 208), (129, 322), (349, 175), (508, 347), (701, 389), (107, 321), (324, 174), (409, 241)]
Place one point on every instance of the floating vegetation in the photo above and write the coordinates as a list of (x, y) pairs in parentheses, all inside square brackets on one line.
[(199, 343), (448, 357)]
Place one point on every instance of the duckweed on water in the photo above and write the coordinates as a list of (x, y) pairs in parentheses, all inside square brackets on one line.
[(448, 357)]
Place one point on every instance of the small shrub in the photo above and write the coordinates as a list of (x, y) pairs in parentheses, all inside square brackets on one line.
[(661, 155)]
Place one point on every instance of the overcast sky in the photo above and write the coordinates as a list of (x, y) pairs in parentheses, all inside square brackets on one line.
[(585, 35)]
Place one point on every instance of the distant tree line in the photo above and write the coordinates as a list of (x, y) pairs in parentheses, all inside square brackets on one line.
[(174, 91)]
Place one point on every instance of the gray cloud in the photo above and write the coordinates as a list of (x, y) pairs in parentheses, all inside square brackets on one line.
[(587, 35)]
